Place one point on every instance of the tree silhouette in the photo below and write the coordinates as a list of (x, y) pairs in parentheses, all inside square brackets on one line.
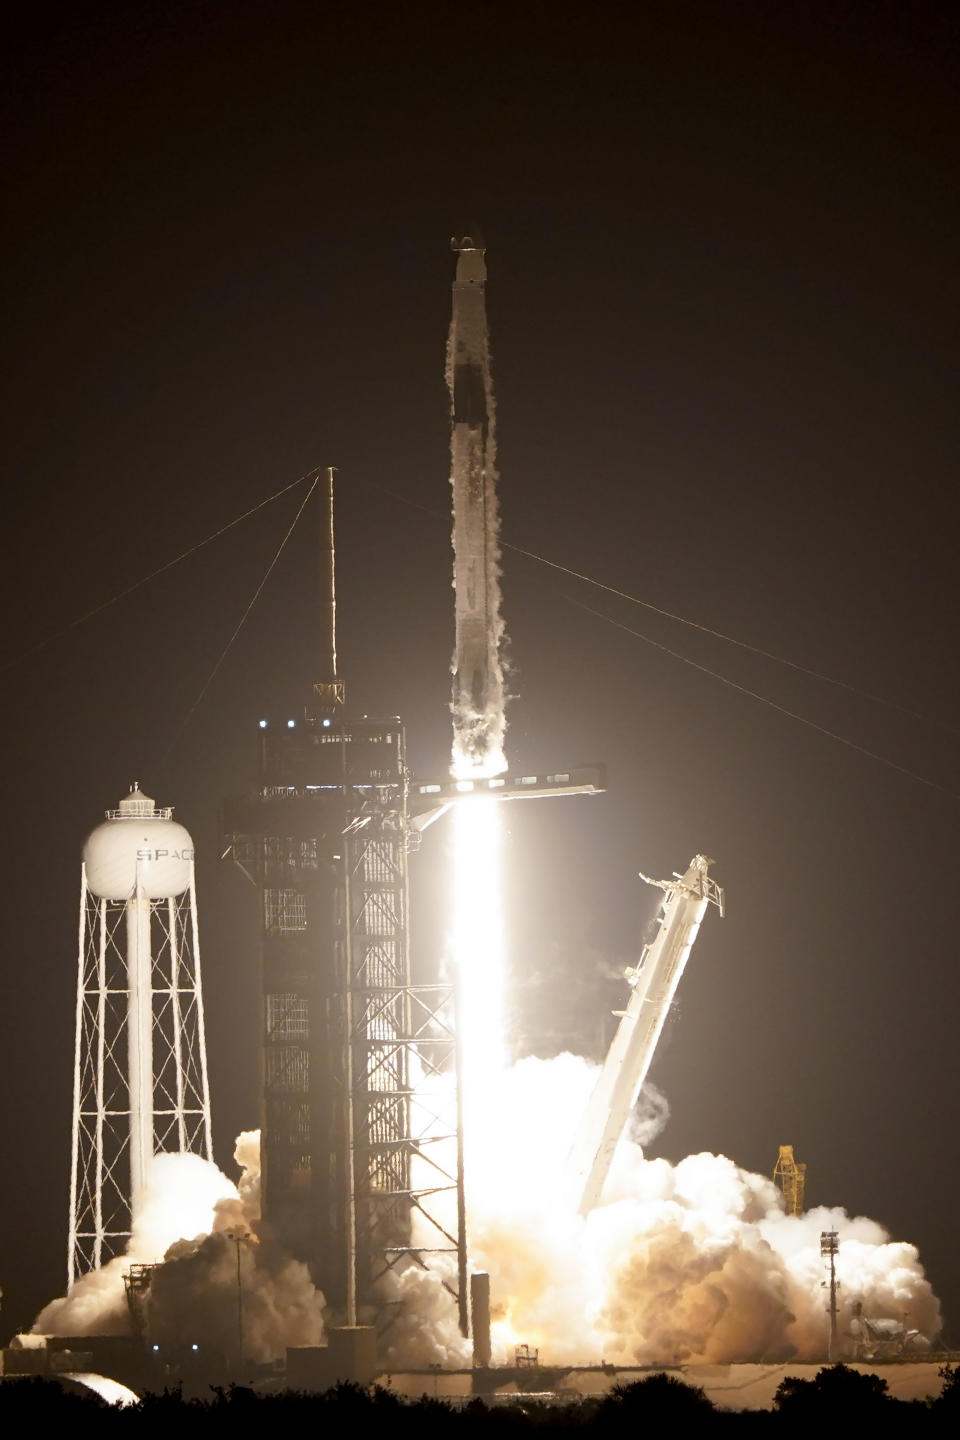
[(948, 1401), (836, 1390), (656, 1397)]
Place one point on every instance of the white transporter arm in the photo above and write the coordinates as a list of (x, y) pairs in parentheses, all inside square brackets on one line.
[(628, 1060)]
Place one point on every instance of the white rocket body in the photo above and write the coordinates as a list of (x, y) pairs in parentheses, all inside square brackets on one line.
[(478, 697)]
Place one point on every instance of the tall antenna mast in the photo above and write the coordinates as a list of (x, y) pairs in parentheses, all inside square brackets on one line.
[(328, 689)]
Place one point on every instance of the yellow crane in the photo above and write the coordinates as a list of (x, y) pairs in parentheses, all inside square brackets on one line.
[(791, 1176)]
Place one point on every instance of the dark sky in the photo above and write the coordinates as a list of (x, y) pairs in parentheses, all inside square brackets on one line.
[(723, 298)]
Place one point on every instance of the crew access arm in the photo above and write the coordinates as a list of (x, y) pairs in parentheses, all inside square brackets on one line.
[(654, 983)]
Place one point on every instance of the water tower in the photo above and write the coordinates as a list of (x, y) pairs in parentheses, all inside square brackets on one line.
[(140, 1071)]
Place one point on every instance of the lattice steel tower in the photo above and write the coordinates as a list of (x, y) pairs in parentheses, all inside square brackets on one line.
[(790, 1175), (349, 1153), (140, 1064)]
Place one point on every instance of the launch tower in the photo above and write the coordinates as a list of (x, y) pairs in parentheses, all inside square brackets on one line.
[(349, 1155)]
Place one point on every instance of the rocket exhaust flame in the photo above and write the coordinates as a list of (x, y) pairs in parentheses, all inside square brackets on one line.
[(478, 947)]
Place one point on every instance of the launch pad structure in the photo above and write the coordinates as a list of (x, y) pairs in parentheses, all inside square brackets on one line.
[(345, 1033)]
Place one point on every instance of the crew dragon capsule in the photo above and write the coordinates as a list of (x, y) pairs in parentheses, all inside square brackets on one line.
[(478, 690)]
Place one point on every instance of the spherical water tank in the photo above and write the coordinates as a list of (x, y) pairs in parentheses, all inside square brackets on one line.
[(138, 835)]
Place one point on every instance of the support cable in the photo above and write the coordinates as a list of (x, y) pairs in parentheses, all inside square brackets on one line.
[(161, 570), (242, 621), (691, 624), (764, 700), (731, 640)]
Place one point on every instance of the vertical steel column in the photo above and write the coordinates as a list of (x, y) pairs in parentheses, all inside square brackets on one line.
[(201, 1026), (101, 1057), (139, 1038), (463, 1303), (173, 907), (75, 1139), (350, 1160)]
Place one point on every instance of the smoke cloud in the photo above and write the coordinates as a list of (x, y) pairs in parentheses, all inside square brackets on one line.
[(217, 1284), (693, 1262), (180, 1200)]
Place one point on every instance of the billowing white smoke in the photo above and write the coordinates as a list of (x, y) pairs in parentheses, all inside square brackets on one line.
[(217, 1281), (689, 1262), (180, 1200)]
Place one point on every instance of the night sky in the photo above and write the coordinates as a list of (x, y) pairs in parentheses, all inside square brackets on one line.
[(723, 301)]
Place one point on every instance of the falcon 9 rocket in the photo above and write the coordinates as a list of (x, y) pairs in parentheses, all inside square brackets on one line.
[(478, 689)]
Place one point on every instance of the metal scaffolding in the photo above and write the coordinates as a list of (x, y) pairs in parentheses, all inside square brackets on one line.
[(362, 1169), (405, 1151), (790, 1175)]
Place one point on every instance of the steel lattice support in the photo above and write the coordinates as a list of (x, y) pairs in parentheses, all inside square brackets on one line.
[(434, 1194), (324, 837), (405, 1151), (790, 1175), (100, 1183), (361, 1175), (378, 974)]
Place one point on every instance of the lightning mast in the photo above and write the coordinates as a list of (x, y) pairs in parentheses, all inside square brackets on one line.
[(654, 983)]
